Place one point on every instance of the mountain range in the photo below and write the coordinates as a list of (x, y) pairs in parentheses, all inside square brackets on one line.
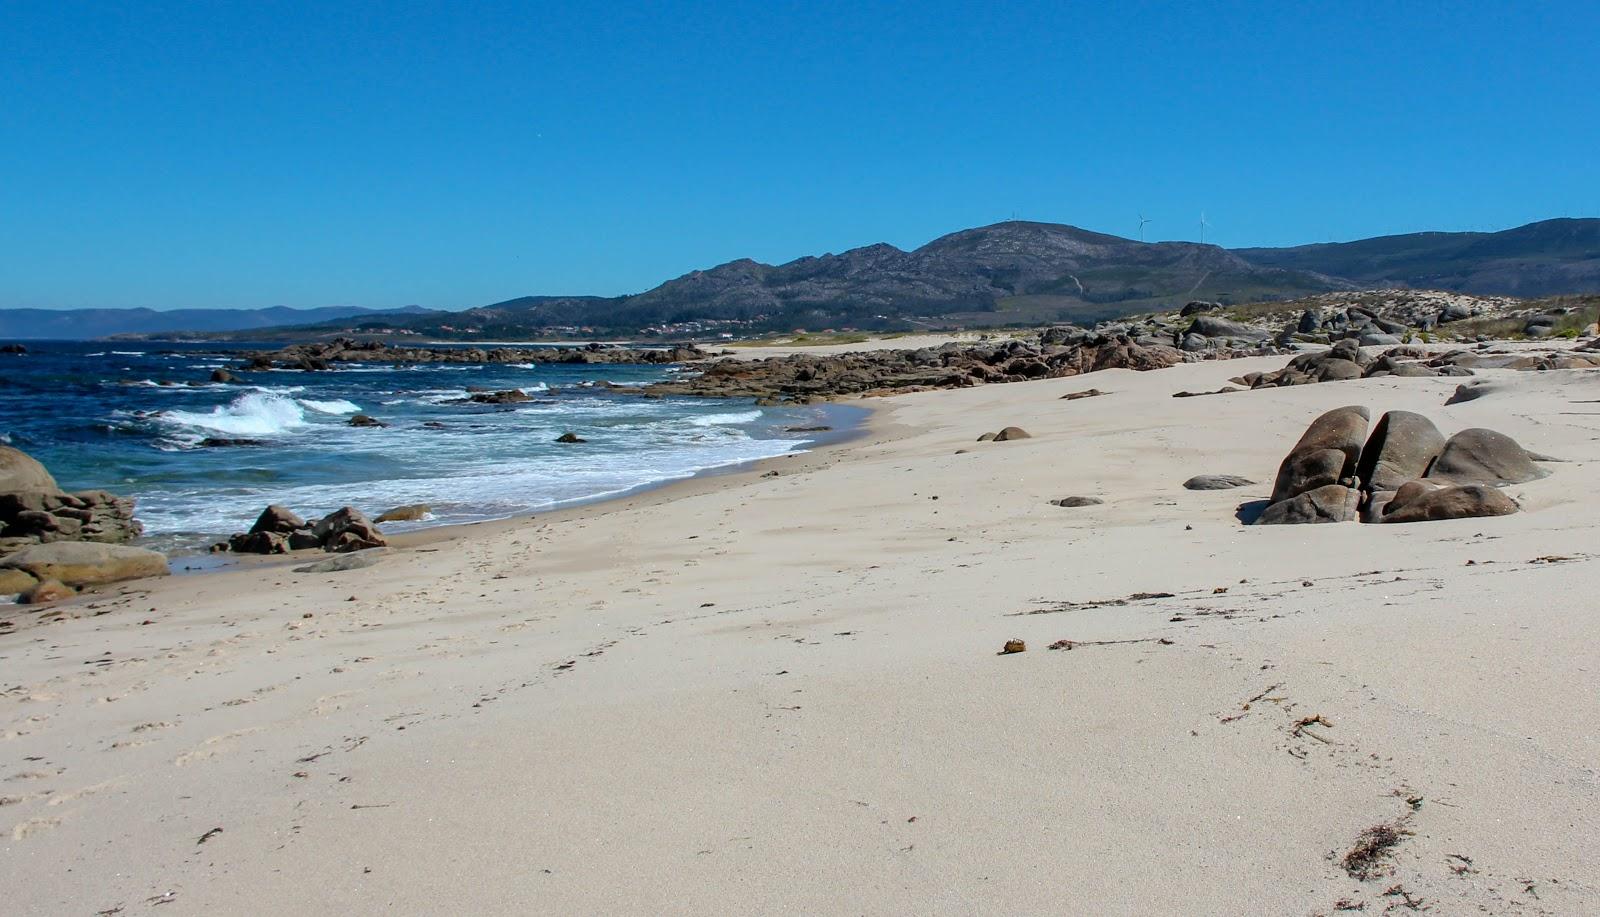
[(74, 324), (1011, 273)]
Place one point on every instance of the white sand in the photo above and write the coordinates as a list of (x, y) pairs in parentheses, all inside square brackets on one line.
[(784, 694)]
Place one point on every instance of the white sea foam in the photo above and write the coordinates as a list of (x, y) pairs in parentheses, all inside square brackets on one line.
[(127, 353), (723, 420), (254, 414), (338, 406)]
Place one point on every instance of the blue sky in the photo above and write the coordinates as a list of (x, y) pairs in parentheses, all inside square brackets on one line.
[(450, 155)]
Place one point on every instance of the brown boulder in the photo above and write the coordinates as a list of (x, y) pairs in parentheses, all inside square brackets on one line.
[(81, 563), (19, 471), (1342, 430), (263, 542), (15, 581), (1331, 503), (278, 519), (48, 591), (1010, 433), (409, 513), (1458, 502), (347, 529), (1479, 456), (1402, 447)]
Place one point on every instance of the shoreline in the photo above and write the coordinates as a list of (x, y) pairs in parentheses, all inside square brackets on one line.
[(787, 691), (861, 426)]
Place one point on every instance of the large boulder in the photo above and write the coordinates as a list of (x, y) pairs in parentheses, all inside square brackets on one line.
[(1402, 447), (1428, 504), (279, 519), (347, 529), (19, 471), (1213, 326), (1330, 503), (1216, 482), (83, 563), (1479, 456), (1309, 465)]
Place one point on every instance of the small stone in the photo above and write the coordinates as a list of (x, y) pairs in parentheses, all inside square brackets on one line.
[(1013, 646)]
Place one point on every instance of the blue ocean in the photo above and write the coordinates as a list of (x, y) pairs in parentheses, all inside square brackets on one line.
[(203, 458)]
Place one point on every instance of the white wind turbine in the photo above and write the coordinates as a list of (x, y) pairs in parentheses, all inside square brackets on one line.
[(1203, 227), (1142, 221)]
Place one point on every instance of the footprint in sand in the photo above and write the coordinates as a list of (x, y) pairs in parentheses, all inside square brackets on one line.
[(33, 826), (100, 787), (212, 747)]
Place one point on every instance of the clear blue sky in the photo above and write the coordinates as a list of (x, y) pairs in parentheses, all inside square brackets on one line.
[(451, 154)]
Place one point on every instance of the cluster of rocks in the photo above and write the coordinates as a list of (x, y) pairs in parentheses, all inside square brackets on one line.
[(321, 356), (34, 510), (51, 540), (1406, 471), (278, 531), (1346, 360), (802, 378)]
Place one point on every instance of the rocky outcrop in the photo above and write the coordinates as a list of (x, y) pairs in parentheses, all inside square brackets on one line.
[(322, 356), (802, 378), (279, 530), (1346, 360), (34, 509), (1406, 471), (82, 563)]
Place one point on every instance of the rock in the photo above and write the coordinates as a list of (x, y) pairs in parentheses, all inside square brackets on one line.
[(1013, 646), (365, 420), (1479, 456), (1310, 321), (1071, 502), (509, 396), (1334, 369), (1011, 433), (1212, 326), (13, 349), (13, 582), (1329, 503), (1088, 393), (50, 590), (19, 471), (355, 560), (570, 438), (1454, 312), (347, 529), (1458, 502), (409, 513), (1373, 339), (987, 438), (1216, 482), (219, 442), (1471, 391), (50, 516), (1309, 466), (1402, 447), (303, 540), (278, 519), (223, 376), (263, 542), (1197, 306), (806, 429), (81, 563)]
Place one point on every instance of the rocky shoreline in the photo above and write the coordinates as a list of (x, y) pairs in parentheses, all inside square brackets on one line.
[(322, 356)]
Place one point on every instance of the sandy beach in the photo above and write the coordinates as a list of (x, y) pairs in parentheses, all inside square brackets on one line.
[(780, 690)]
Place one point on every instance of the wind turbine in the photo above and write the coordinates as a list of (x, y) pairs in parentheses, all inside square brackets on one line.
[(1142, 221), (1203, 226)]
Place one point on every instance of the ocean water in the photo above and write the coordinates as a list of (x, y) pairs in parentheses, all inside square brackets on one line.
[(99, 416)]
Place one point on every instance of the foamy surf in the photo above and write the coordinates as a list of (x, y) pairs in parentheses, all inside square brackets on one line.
[(254, 414)]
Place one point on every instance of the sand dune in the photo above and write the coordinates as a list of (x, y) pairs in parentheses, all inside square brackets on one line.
[(782, 694)]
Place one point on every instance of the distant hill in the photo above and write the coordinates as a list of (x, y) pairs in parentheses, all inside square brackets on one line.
[(1548, 258), (85, 324), (1013, 272)]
